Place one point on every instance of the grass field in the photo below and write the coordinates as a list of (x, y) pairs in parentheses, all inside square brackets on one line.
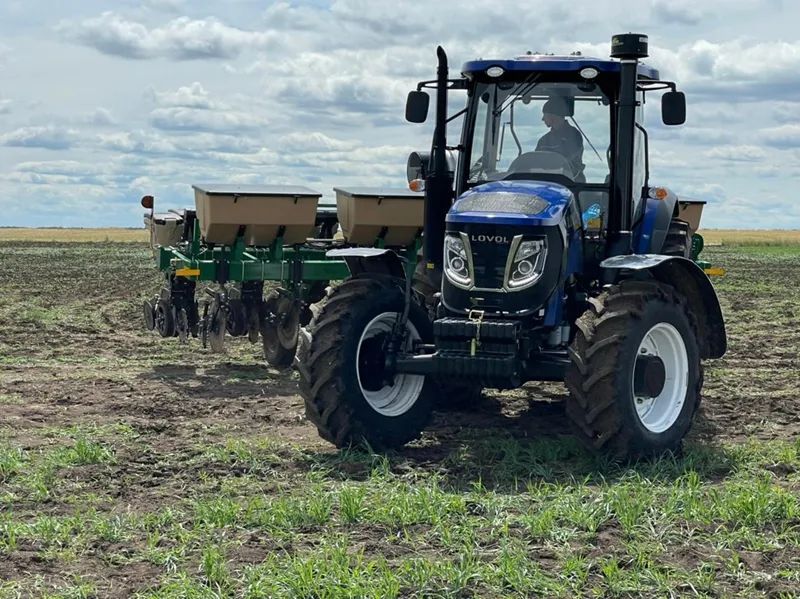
[(131, 465)]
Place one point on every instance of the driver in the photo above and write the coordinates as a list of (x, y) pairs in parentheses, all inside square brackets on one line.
[(562, 138)]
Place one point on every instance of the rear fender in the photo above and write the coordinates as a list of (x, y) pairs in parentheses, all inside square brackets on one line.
[(690, 281), (377, 261), (652, 231)]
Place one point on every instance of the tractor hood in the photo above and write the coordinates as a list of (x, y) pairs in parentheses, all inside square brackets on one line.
[(516, 203)]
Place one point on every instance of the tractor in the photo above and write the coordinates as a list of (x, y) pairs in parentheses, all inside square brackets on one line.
[(546, 258)]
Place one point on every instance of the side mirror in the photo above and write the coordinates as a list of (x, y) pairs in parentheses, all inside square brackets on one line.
[(417, 106), (418, 165), (673, 108), (147, 202)]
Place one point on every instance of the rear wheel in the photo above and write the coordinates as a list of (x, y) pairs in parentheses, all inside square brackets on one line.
[(343, 381), (635, 376)]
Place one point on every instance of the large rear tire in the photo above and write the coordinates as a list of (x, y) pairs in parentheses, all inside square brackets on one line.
[(341, 381), (635, 374)]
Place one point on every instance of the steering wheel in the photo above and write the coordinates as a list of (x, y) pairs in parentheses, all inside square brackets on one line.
[(541, 161)]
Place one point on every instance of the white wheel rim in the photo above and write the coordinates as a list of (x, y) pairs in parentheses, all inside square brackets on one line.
[(659, 413), (398, 398)]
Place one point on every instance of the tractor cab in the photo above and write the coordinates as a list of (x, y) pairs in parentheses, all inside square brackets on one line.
[(553, 154)]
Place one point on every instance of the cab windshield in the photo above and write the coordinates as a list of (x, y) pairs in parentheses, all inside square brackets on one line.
[(534, 127)]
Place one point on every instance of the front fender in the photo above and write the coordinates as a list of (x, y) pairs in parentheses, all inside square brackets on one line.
[(361, 260), (689, 280)]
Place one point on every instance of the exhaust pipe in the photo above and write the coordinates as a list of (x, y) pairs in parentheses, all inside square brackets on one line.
[(628, 48), (439, 183)]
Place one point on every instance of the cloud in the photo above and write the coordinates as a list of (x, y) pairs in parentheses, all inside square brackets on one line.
[(742, 153), (69, 168), (180, 39), (676, 11), (100, 117), (314, 141), (5, 106), (189, 96), (191, 146), (49, 137), (786, 112), (785, 136), (741, 69), (168, 6), (192, 119), (349, 87)]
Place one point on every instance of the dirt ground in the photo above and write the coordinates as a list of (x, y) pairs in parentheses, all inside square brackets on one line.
[(75, 363)]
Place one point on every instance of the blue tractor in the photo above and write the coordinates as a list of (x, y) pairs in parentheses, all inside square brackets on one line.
[(546, 258)]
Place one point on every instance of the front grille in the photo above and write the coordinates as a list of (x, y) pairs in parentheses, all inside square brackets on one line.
[(489, 263)]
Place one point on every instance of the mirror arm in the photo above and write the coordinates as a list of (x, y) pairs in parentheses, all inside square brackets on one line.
[(460, 83), (650, 86), (456, 115)]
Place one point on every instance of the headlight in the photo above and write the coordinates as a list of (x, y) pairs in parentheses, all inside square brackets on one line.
[(528, 263), (456, 262)]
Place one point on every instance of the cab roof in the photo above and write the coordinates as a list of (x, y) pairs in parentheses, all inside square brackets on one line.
[(548, 62)]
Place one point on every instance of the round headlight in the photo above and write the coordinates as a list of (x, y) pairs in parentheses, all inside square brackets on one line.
[(525, 268)]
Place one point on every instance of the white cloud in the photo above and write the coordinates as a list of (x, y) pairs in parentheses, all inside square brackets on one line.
[(188, 96), (313, 141), (682, 12), (313, 92), (737, 153), (50, 138), (785, 136), (786, 112), (101, 117), (193, 119), (749, 71), (179, 39)]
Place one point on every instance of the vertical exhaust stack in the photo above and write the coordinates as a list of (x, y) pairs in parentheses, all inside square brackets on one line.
[(439, 184), (628, 48)]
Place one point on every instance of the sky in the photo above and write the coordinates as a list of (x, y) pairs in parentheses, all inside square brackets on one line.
[(103, 102)]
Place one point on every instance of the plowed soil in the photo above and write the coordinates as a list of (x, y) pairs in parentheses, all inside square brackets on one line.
[(77, 366)]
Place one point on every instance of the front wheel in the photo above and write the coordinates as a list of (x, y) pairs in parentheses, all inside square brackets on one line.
[(635, 374), (348, 394)]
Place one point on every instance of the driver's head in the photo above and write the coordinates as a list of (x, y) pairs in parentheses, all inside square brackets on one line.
[(554, 111)]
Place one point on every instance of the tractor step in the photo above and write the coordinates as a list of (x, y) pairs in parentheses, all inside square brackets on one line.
[(499, 371)]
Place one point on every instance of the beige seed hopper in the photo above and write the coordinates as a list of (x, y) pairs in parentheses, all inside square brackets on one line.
[(260, 211), (165, 228), (367, 213), (691, 211)]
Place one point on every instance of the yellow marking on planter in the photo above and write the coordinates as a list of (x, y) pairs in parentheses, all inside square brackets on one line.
[(188, 272)]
